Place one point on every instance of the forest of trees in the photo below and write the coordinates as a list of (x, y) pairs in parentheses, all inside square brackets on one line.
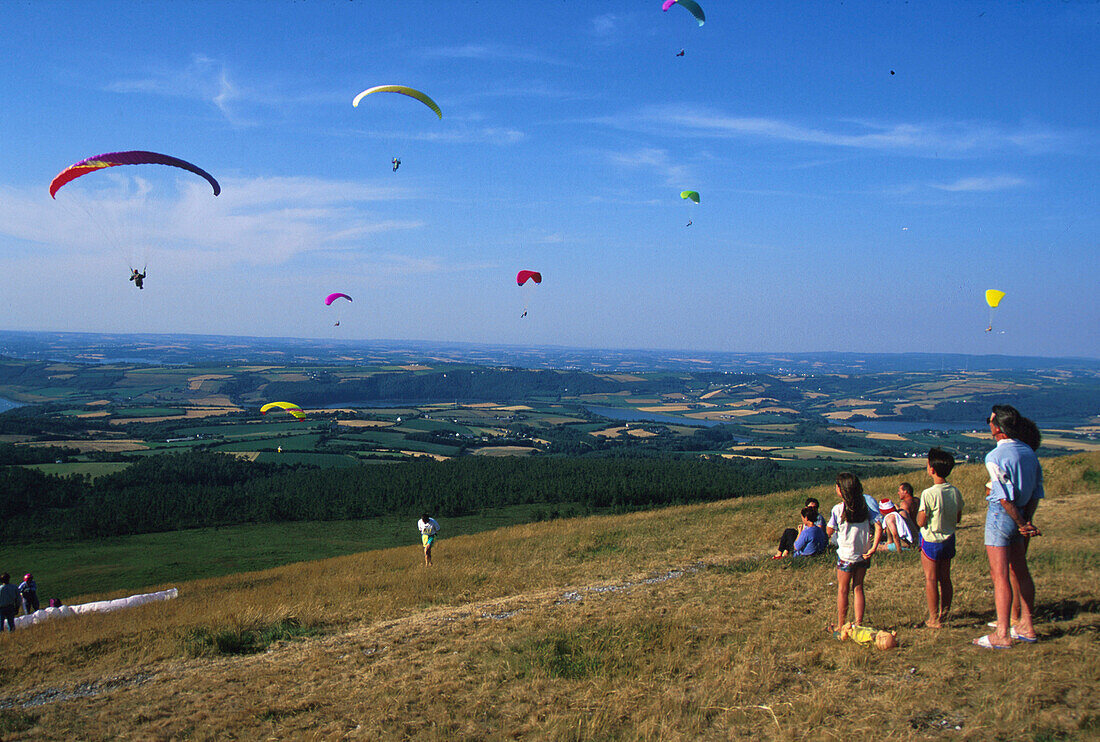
[(200, 489)]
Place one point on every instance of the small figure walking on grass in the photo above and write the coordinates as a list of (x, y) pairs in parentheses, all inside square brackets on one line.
[(428, 529), (852, 522), (940, 510)]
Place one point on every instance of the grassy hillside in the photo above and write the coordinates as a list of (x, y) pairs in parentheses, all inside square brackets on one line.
[(670, 624)]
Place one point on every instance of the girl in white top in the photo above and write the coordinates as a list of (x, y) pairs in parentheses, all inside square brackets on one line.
[(853, 525)]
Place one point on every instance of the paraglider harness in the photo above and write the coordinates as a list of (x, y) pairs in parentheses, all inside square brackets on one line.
[(136, 277)]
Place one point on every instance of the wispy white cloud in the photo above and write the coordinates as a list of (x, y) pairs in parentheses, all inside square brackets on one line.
[(254, 221), (605, 24), (651, 158), (982, 184), (941, 139), (204, 79)]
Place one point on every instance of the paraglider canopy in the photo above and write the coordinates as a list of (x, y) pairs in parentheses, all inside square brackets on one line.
[(692, 195), (290, 407), (993, 297), (333, 297), (404, 90), (137, 157), (690, 5), (524, 276)]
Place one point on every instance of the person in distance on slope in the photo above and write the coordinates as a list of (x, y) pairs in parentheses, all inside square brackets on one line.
[(28, 590), (428, 529), (137, 277), (9, 602)]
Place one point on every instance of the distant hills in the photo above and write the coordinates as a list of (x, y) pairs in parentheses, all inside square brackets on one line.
[(214, 349)]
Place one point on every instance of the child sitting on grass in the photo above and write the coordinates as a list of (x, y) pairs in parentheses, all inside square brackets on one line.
[(852, 522), (940, 510)]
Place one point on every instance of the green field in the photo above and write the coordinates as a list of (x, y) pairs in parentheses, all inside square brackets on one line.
[(68, 570), (90, 468)]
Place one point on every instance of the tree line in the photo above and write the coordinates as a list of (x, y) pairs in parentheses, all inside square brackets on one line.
[(203, 489)]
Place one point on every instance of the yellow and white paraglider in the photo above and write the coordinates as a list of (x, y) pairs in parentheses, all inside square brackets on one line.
[(404, 90), (992, 298)]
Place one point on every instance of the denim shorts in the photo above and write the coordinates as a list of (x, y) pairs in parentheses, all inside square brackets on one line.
[(844, 566), (1000, 529)]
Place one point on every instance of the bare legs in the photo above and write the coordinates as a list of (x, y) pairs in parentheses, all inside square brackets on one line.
[(853, 581), (938, 589), (1008, 569)]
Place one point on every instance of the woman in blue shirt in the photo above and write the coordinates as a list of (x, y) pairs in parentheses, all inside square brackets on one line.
[(1016, 486)]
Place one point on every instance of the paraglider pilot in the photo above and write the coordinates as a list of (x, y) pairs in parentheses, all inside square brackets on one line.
[(137, 277), (396, 163)]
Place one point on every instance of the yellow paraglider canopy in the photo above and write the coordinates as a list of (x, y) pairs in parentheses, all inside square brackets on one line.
[(290, 407)]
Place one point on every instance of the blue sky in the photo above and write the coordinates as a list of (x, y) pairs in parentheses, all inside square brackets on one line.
[(842, 207)]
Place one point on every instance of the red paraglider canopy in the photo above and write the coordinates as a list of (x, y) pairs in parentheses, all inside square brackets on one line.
[(523, 276)]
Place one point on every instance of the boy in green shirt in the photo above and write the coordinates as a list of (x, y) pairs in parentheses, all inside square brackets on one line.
[(940, 510)]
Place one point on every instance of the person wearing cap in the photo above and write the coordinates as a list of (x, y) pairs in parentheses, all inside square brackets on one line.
[(9, 602), (28, 590)]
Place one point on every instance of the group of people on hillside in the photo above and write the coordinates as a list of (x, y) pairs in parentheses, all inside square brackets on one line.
[(858, 526), (13, 598)]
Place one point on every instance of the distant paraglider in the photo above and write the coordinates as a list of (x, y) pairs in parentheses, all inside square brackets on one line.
[(138, 277), (993, 299), (396, 162), (690, 6), (404, 90), (529, 278), (690, 195), (290, 407), (333, 297)]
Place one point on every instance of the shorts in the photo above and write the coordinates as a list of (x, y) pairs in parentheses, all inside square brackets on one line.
[(936, 550), (426, 539), (849, 567), (1000, 529)]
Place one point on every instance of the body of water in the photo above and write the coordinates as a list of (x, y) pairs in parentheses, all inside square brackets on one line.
[(901, 427)]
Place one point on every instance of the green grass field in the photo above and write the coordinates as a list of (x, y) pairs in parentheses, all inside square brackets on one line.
[(68, 570), (91, 468)]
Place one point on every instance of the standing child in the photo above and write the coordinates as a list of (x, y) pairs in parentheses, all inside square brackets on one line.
[(853, 525), (940, 510)]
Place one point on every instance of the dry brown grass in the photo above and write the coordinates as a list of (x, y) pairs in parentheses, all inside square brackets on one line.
[(510, 635)]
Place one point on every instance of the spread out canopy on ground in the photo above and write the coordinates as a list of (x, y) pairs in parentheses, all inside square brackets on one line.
[(993, 297), (333, 297), (137, 157), (290, 407), (404, 90), (690, 5), (524, 276), (693, 195)]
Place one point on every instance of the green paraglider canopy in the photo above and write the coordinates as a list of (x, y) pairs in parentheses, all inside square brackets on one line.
[(692, 195)]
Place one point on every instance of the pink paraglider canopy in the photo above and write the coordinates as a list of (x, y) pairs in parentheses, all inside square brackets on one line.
[(333, 297)]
